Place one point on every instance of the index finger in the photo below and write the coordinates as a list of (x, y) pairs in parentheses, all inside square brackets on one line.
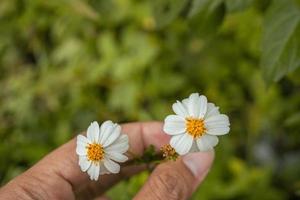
[(64, 161)]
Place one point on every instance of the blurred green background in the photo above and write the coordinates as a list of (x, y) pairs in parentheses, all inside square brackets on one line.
[(65, 63)]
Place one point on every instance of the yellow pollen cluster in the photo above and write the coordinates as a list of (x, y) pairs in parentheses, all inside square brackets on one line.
[(95, 152), (169, 152), (195, 127)]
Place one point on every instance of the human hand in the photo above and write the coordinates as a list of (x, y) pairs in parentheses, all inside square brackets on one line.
[(58, 176)]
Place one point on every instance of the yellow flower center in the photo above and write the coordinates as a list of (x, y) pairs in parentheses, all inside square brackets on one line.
[(195, 127), (169, 152), (95, 152)]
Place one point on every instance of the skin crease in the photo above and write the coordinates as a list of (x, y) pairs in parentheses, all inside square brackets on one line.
[(58, 176)]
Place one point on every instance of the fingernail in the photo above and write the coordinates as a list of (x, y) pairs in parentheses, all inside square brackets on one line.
[(198, 163)]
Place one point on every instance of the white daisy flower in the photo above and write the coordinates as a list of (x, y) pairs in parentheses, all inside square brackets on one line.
[(103, 147), (196, 125)]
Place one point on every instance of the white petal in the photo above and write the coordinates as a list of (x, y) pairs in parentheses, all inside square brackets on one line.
[(93, 132), (211, 110), (116, 156), (194, 105), (82, 140), (217, 125), (103, 169), (211, 139), (185, 103), (113, 135), (180, 109), (111, 166), (81, 144), (217, 119), (84, 163), (203, 106), (197, 105), (174, 125), (194, 147), (91, 172), (121, 145), (81, 150), (94, 172), (207, 142), (182, 143), (105, 130), (218, 131)]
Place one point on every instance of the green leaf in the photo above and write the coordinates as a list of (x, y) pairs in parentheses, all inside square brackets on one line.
[(297, 2), (210, 12), (293, 120), (167, 10), (281, 41), (203, 7), (206, 16), (237, 5)]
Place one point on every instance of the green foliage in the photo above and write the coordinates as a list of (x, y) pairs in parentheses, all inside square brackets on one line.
[(237, 5), (203, 7), (166, 11), (149, 156), (281, 41), (65, 63)]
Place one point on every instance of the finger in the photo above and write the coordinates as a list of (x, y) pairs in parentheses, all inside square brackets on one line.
[(92, 189), (177, 180), (102, 198), (141, 135), (60, 172)]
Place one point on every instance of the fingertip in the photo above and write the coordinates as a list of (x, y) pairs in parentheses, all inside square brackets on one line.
[(199, 163), (177, 180), (143, 134)]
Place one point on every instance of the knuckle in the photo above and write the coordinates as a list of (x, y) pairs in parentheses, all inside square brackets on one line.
[(168, 184), (28, 189), (46, 185)]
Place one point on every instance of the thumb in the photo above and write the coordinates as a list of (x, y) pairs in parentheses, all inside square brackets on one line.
[(177, 180)]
